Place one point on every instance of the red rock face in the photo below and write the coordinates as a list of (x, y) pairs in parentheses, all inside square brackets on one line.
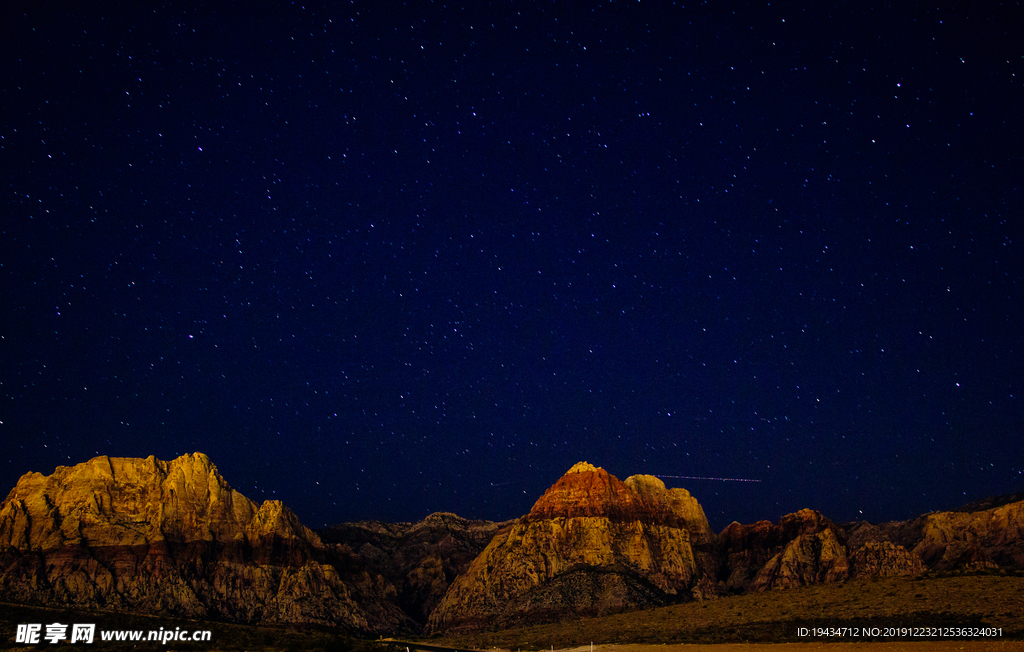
[(586, 491)]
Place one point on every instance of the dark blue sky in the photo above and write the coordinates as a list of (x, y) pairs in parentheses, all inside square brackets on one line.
[(379, 260)]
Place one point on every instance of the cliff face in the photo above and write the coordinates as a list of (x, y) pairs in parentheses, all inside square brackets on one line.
[(127, 502), (884, 559), (173, 537), (419, 559), (806, 548), (987, 538), (592, 544), (803, 548)]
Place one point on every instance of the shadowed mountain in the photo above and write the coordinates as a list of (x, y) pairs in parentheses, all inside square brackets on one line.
[(419, 559)]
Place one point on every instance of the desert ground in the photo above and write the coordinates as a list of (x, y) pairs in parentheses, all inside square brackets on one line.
[(739, 623), (881, 646), (773, 620)]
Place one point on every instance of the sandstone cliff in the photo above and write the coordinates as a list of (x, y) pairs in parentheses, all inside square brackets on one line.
[(987, 538), (150, 536), (806, 548), (884, 559), (592, 544), (803, 548)]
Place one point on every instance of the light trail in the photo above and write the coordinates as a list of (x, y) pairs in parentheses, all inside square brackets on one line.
[(699, 477)]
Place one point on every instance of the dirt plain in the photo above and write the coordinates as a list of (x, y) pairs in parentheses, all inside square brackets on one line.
[(867, 608), (879, 646), (758, 622)]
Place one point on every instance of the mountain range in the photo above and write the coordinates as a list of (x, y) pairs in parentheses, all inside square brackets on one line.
[(173, 538)]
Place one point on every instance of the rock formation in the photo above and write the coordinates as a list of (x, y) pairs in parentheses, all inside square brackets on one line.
[(419, 559), (884, 559), (803, 548), (984, 539), (806, 548), (173, 537), (592, 544)]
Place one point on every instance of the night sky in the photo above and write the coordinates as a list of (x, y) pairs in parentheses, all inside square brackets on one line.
[(380, 260)]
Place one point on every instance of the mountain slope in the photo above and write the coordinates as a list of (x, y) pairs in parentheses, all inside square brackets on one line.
[(419, 559), (592, 544)]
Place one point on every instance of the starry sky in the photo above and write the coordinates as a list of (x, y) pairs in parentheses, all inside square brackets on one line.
[(378, 260)]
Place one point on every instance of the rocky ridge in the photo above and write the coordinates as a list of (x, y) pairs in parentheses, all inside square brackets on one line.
[(147, 536), (806, 548), (803, 548), (419, 559), (984, 539)]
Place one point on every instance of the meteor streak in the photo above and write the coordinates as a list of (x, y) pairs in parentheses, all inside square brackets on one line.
[(698, 477)]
